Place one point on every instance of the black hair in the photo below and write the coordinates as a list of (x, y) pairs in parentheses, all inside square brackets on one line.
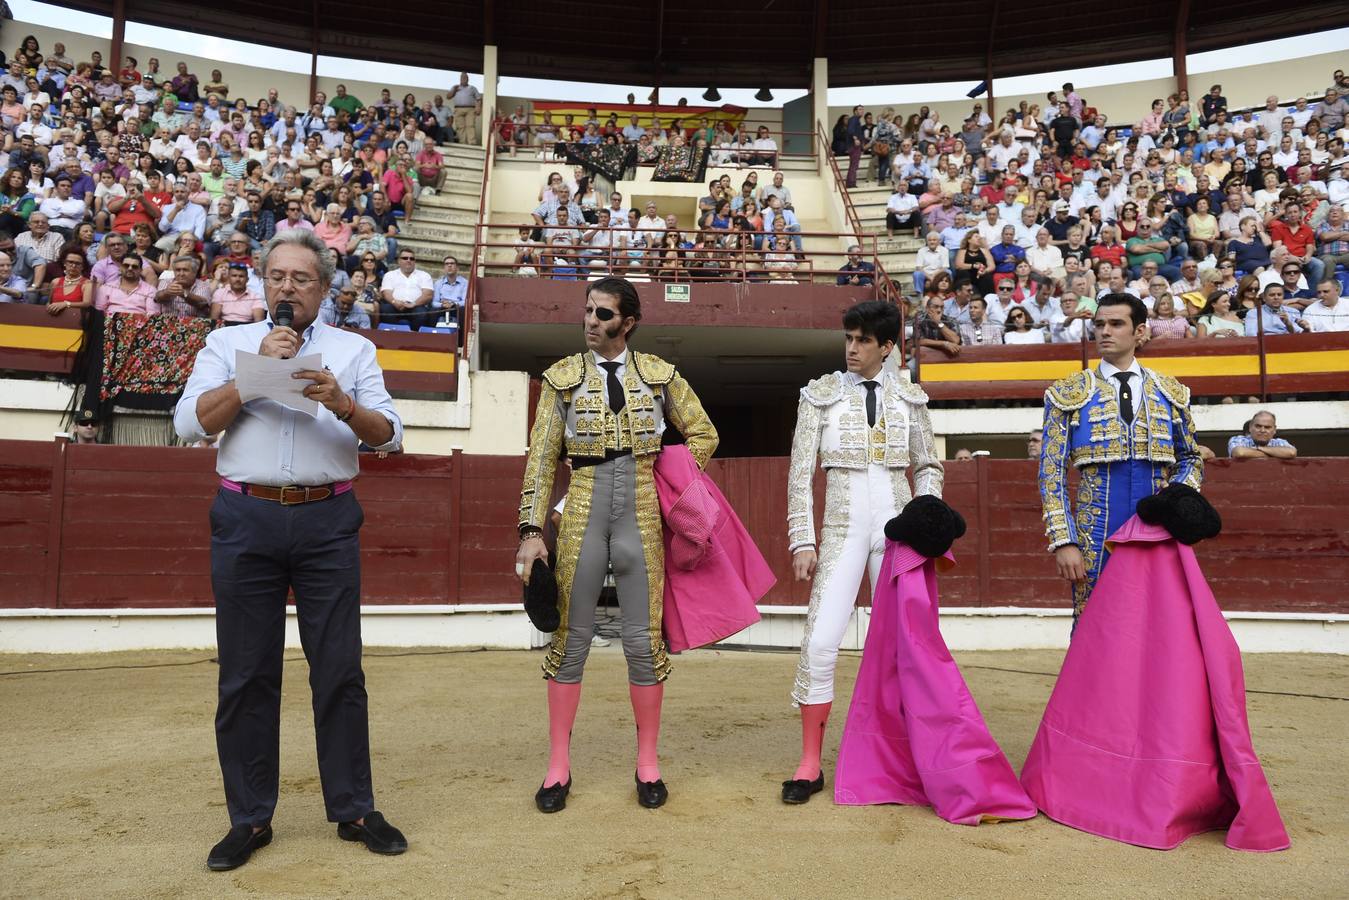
[(874, 318), (1138, 313), (629, 304)]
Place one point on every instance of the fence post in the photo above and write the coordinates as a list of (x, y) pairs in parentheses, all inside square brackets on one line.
[(453, 577), (1259, 312), (981, 465), (56, 514)]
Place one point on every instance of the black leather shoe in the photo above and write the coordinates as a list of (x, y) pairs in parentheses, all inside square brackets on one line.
[(553, 799), (798, 790), (236, 847), (377, 834), (651, 794)]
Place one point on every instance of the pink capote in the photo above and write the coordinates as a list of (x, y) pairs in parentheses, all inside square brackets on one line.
[(914, 734), (714, 574), (1145, 738)]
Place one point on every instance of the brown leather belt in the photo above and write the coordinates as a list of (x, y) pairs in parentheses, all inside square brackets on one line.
[(289, 495)]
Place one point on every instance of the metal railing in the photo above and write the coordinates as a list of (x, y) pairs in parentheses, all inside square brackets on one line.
[(733, 156), (1303, 363), (471, 295), (891, 291), (707, 260)]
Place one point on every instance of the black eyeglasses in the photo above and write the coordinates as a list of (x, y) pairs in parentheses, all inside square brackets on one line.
[(413, 258)]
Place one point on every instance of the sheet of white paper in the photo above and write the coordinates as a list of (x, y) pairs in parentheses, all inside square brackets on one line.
[(269, 378)]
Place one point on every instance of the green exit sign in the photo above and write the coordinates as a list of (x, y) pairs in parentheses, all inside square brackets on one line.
[(677, 293)]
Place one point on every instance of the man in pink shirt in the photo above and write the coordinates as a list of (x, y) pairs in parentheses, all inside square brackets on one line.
[(235, 303), (294, 218), (129, 294)]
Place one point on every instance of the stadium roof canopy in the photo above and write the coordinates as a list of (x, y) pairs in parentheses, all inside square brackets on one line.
[(742, 43)]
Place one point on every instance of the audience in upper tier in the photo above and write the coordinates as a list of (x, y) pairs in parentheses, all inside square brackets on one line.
[(177, 173), (1221, 221)]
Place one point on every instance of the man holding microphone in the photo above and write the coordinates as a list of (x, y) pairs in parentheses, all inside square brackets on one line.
[(285, 519)]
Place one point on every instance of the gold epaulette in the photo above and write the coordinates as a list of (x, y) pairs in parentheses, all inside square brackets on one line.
[(824, 390), (566, 373), (1071, 393), (1174, 390), (652, 369)]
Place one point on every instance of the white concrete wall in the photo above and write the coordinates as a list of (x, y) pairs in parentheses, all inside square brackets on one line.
[(505, 627)]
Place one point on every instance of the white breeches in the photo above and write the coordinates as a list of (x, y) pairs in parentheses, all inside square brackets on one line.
[(857, 505)]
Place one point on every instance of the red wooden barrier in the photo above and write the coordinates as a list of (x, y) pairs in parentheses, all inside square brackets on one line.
[(110, 527)]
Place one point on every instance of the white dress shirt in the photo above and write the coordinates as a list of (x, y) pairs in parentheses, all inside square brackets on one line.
[(270, 444), (1135, 380)]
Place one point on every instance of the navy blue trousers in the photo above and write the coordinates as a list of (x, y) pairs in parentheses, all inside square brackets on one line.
[(260, 551)]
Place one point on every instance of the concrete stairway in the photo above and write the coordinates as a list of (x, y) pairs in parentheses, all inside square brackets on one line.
[(896, 254), (443, 223)]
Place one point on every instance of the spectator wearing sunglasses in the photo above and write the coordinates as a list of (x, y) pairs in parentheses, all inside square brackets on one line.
[(405, 294)]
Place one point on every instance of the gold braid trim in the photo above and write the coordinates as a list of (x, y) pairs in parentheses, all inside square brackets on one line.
[(685, 411), (652, 369), (545, 443), (1071, 393), (566, 373), (653, 548), (1177, 393), (575, 518)]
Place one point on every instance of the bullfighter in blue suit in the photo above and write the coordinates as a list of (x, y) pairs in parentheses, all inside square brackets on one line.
[(1128, 432)]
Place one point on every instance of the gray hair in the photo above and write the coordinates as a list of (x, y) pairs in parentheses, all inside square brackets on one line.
[(302, 237), (191, 260)]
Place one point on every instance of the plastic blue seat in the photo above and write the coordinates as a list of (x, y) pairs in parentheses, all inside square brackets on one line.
[(442, 329), (394, 326)]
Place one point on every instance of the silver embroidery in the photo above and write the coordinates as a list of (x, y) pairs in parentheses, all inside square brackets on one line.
[(837, 504)]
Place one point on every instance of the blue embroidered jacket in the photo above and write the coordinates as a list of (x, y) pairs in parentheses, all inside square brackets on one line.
[(1083, 428)]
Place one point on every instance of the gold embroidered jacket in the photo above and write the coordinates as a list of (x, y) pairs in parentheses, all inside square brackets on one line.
[(574, 416), (831, 422), (1083, 427)]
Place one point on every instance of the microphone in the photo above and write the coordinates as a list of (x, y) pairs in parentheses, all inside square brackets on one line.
[(284, 314)]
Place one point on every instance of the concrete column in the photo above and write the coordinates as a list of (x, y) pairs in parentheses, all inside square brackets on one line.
[(489, 91), (819, 101)]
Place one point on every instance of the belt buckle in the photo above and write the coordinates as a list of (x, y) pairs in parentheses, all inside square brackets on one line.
[(294, 487)]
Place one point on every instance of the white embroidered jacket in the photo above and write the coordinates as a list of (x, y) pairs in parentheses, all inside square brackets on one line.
[(831, 422)]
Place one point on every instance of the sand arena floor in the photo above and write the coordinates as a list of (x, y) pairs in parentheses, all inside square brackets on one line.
[(111, 789)]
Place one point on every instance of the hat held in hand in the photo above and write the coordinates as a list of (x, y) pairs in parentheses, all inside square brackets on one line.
[(1183, 512), (541, 598), (927, 524)]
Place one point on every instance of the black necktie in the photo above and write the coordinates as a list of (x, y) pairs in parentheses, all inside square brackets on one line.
[(1126, 396), (871, 403), (617, 400)]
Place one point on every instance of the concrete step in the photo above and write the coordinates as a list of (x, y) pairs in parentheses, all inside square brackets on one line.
[(434, 231), (453, 196), (445, 215), (463, 151)]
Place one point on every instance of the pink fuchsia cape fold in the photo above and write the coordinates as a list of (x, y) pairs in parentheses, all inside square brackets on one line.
[(1145, 738), (914, 734), (714, 573)]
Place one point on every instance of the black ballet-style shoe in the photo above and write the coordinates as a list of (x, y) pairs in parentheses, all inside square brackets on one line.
[(651, 794), (553, 799), (798, 790)]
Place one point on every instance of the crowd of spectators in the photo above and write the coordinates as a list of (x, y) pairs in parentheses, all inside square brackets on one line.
[(728, 143), (1223, 222), (143, 192), (745, 233)]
